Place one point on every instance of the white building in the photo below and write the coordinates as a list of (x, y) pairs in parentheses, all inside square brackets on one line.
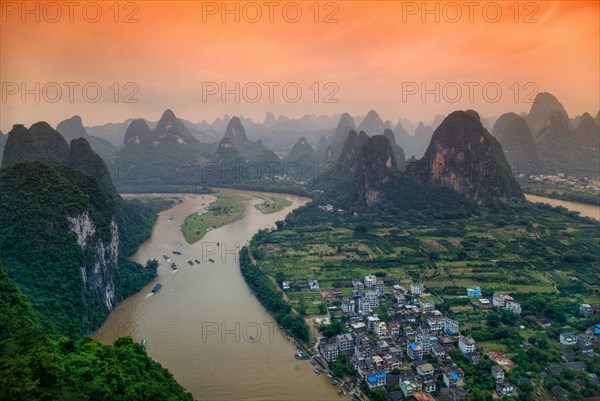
[(285, 285), (370, 281), (568, 339), (372, 321), (381, 329), (466, 344), (514, 307), (416, 288), (370, 301), (499, 300), (313, 283), (345, 342)]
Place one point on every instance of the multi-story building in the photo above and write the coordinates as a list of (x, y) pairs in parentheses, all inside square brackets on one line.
[(586, 310), (394, 329), (381, 329), (358, 285), (453, 378), (370, 281), (466, 344), (410, 383), (568, 339), (436, 322), (376, 380), (426, 372), (370, 301), (416, 288), (497, 373), (414, 351), (427, 306), (474, 292), (329, 350), (347, 306), (313, 283), (345, 342), (451, 327), (513, 306), (379, 288), (499, 300), (372, 321)]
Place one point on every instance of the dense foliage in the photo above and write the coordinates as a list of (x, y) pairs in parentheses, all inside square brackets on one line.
[(271, 298), (34, 366), (42, 254)]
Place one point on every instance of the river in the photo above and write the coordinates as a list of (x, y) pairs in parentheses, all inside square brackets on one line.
[(583, 209), (205, 325)]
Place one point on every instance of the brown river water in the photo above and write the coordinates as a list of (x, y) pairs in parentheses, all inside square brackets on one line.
[(205, 325), (583, 209)]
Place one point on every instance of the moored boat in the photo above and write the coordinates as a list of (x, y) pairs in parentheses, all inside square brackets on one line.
[(173, 266)]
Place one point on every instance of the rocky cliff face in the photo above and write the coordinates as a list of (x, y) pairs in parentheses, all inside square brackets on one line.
[(236, 132), (376, 168), (97, 274), (364, 167), (463, 156), (399, 156)]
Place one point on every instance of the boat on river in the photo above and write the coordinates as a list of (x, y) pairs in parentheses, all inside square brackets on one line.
[(156, 288), (173, 266)]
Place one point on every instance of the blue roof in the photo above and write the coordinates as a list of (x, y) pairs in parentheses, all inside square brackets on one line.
[(433, 338), (413, 346), (376, 378), (454, 376)]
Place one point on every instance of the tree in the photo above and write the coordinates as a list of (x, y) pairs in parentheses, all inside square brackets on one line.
[(493, 319)]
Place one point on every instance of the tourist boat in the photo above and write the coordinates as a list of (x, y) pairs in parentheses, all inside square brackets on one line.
[(165, 256), (197, 261), (176, 253), (190, 262), (211, 260), (157, 287), (301, 354), (312, 362), (173, 266), (143, 343), (334, 383), (317, 371)]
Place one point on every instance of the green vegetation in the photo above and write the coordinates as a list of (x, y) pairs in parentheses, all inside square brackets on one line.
[(271, 298), (560, 192), (272, 205), (41, 253), (34, 366), (516, 248), (225, 210)]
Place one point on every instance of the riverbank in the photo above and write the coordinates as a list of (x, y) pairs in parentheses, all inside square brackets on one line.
[(585, 210), (206, 312), (560, 193)]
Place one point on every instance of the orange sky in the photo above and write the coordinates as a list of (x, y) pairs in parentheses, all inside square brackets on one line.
[(372, 54)]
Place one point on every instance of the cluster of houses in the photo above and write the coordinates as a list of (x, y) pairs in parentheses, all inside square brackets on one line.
[(499, 300), (585, 341), (578, 184), (404, 343)]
